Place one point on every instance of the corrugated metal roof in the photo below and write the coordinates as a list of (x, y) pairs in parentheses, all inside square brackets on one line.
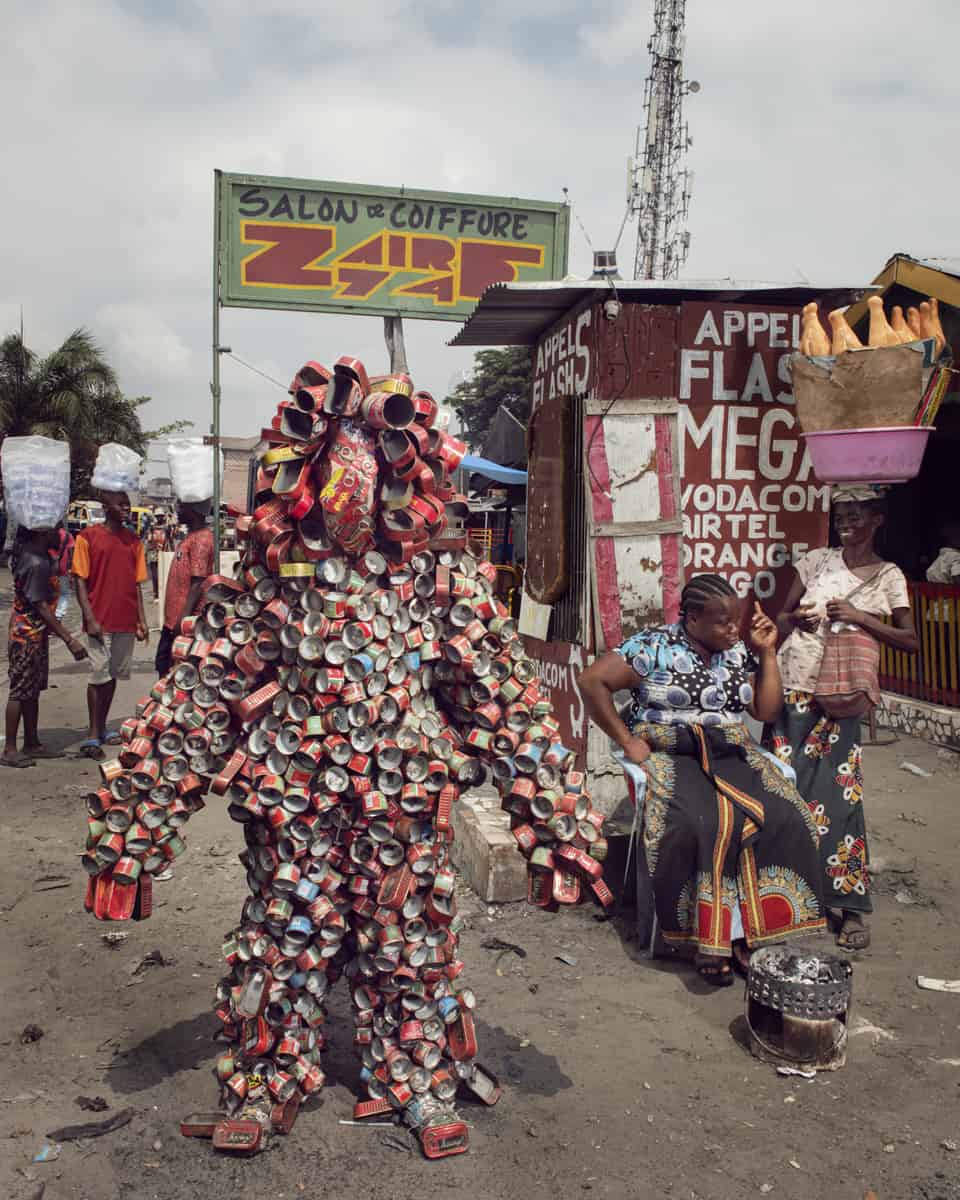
[(949, 266), (515, 314)]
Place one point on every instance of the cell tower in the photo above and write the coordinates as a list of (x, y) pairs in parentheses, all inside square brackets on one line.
[(659, 185)]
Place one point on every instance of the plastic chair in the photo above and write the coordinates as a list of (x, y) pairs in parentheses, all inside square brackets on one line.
[(647, 925)]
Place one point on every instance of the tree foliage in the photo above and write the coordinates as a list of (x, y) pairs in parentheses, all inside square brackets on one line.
[(499, 377), (71, 395)]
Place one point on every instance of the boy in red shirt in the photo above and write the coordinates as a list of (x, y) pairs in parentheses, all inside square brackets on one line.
[(109, 565), (192, 563)]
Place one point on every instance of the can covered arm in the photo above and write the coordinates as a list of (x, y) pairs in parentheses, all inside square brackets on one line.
[(551, 816), (598, 684)]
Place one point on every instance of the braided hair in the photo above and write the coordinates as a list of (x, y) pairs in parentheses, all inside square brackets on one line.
[(700, 590)]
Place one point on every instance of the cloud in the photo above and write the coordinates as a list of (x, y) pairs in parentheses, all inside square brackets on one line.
[(142, 341), (821, 145)]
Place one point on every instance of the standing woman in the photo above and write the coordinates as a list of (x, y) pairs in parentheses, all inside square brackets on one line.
[(32, 620), (829, 664)]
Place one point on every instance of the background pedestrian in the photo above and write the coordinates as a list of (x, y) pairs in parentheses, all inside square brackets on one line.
[(109, 565), (192, 563), (32, 619)]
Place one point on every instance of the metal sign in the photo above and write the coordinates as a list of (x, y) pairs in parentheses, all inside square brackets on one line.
[(342, 247), (558, 665), (751, 503)]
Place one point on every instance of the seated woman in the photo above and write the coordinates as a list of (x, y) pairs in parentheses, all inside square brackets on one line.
[(733, 850)]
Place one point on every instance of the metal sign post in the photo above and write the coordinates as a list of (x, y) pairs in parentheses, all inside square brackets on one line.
[(393, 336), (215, 375)]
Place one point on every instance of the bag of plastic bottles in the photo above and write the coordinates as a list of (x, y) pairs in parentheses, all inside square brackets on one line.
[(117, 469), (191, 469), (36, 480)]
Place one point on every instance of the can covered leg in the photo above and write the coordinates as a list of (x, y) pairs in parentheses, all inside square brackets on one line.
[(414, 1026), (271, 1003)]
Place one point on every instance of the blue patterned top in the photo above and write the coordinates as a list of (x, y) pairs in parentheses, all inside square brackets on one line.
[(675, 686)]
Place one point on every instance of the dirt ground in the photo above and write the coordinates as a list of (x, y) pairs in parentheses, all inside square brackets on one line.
[(623, 1077)]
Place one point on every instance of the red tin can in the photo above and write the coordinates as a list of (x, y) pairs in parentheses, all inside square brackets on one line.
[(566, 887), (396, 887), (238, 1137), (411, 1032), (526, 837), (581, 860), (283, 1116), (442, 1141), (484, 1085), (371, 1108), (462, 1037), (252, 707), (200, 1125)]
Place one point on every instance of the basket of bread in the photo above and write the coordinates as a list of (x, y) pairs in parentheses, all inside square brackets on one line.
[(866, 411)]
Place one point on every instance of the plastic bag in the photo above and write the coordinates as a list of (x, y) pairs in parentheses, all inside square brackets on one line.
[(36, 480), (191, 469), (117, 469)]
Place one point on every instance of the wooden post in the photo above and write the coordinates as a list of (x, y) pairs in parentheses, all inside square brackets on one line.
[(393, 336)]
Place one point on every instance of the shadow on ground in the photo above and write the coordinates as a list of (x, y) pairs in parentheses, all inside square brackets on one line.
[(525, 1068), (182, 1047)]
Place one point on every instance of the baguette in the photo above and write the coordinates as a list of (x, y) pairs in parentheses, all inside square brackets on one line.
[(813, 335), (930, 322), (843, 336), (899, 325), (881, 332)]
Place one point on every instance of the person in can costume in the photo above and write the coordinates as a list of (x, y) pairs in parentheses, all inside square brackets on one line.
[(338, 694)]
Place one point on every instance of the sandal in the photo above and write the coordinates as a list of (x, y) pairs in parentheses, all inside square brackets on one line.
[(112, 738), (43, 752), (741, 958), (17, 759), (715, 970), (853, 935), (91, 749)]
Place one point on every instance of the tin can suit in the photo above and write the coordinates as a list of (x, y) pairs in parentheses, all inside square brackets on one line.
[(338, 695)]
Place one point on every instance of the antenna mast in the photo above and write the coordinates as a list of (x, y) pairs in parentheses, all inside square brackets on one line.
[(659, 185)]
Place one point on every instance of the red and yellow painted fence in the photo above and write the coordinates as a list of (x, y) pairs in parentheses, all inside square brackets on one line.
[(933, 674)]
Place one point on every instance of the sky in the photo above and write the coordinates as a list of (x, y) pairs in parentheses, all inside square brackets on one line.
[(822, 144)]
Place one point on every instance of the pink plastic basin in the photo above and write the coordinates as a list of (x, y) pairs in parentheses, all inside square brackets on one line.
[(891, 454)]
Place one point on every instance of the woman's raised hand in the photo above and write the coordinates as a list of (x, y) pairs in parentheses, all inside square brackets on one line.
[(763, 632)]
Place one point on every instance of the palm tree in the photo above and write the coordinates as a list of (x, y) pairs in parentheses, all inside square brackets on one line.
[(71, 395)]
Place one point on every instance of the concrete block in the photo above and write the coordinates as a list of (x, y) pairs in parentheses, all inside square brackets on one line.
[(485, 851)]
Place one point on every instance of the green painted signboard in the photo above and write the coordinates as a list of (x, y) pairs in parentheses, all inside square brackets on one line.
[(343, 247)]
